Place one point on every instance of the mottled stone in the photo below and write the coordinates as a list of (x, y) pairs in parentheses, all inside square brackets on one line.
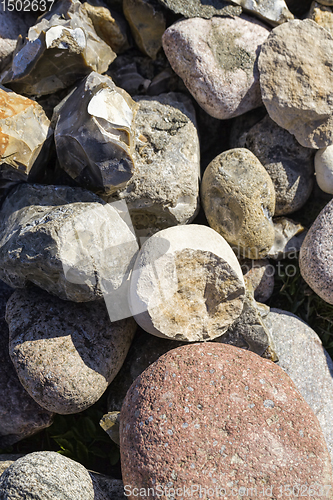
[(274, 13), (197, 8), (322, 15), (299, 100), (164, 190), (303, 358), (147, 23), (289, 237), (260, 273), (65, 360), (7, 460), (60, 49), (289, 165), (324, 169), (66, 241), (217, 60), (238, 198), (94, 134), (316, 255), (12, 24), (186, 284), (217, 416)]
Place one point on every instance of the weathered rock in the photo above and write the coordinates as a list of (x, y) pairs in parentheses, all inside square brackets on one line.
[(238, 198), (111, 488), (217, 60), (317, 253), (67, 359), (147, 23), (186, 284), (164, 190), (299, 100), (303, 358), (197, 8), (222, 418), (289, 236), (275, 12), (66, 241), (110, 424), (20, 415), (46, 475), (94, 134), (324, 169), (289, 165), (60, 49), (322, 15), (260, 273), (7, 460)]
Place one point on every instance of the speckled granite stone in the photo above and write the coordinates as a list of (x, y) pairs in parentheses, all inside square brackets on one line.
[(8, 459)]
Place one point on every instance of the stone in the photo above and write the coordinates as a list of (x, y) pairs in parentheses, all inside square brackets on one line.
[(322, 15), (222, 418), (274, 13), (260, 273), (303, 358), (299, 101), (186, 284), (94, 134), (167, 140), (68, 242), (289, 237), (65, 360), (20, 415), (238, 198), (147, 23), (289, 165), (8, 459), (217, 60), (47, 475), (316, 255), (109, 26), (241, 125), (12, 24), (60, 49), (110, 424), (197, 8), (324, 169), (112, 488)]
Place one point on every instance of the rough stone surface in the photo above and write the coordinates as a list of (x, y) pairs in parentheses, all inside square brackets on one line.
[(303, 358), (110, 424), (65, 360), (46, 475), (322, 15), (299, 100), (274, 13), (66, 241), (197, 8), (186, 284), (20, 415), (217, 60), (289, 165), (164, 190), (317, 253), (113, 489), (214, 415), (324, 169), (289, 236), (260, 273), (7, 460), (238, 198)]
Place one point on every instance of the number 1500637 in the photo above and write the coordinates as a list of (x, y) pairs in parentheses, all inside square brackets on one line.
[(27, 5)]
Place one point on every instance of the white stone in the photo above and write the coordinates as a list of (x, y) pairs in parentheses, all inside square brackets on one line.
[(324, 169)]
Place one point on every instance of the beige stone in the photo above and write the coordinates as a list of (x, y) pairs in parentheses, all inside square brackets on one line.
[(322, 15)]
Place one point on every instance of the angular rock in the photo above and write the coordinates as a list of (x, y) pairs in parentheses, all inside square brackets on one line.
[(324, 169), (110, 424), (238, 198), (220, 417), (60, 49), (94, 134), (68, 242), (289, 165), (12, 24), (20, 415), (65, 360), (289, 236), (322, 15), (274, 13), (217, 60), (186, 284), (303, 358), (147, 23), (164, 190), (260, 273), (197, 8), (299, 100), (316, 255)]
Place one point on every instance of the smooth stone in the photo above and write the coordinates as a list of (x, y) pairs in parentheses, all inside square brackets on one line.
[(316, 255), (7, 460), (289, 237), (197, 8), (20, 415), (164, 190), (147, 23), (94, 134), (238, 198), (303, 358), (324, 169), (186, 284), (322, 15), (217, 60), (298, 101), (65, 360), (216, 416), (68, 242), (289, 165), (12, 24), (260, 273)]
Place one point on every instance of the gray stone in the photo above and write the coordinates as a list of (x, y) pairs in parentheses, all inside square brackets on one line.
[(197, 8), (65, 360), (113, 489), (164, 190), (12, 24), (217, 60), (289, 165), (241, 125), (186, 284), (299, 100), (316, 255), (7, 460), (289, 237), (260, 273), (238, 198), (274, 13), (303, 358), (66, 241)]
